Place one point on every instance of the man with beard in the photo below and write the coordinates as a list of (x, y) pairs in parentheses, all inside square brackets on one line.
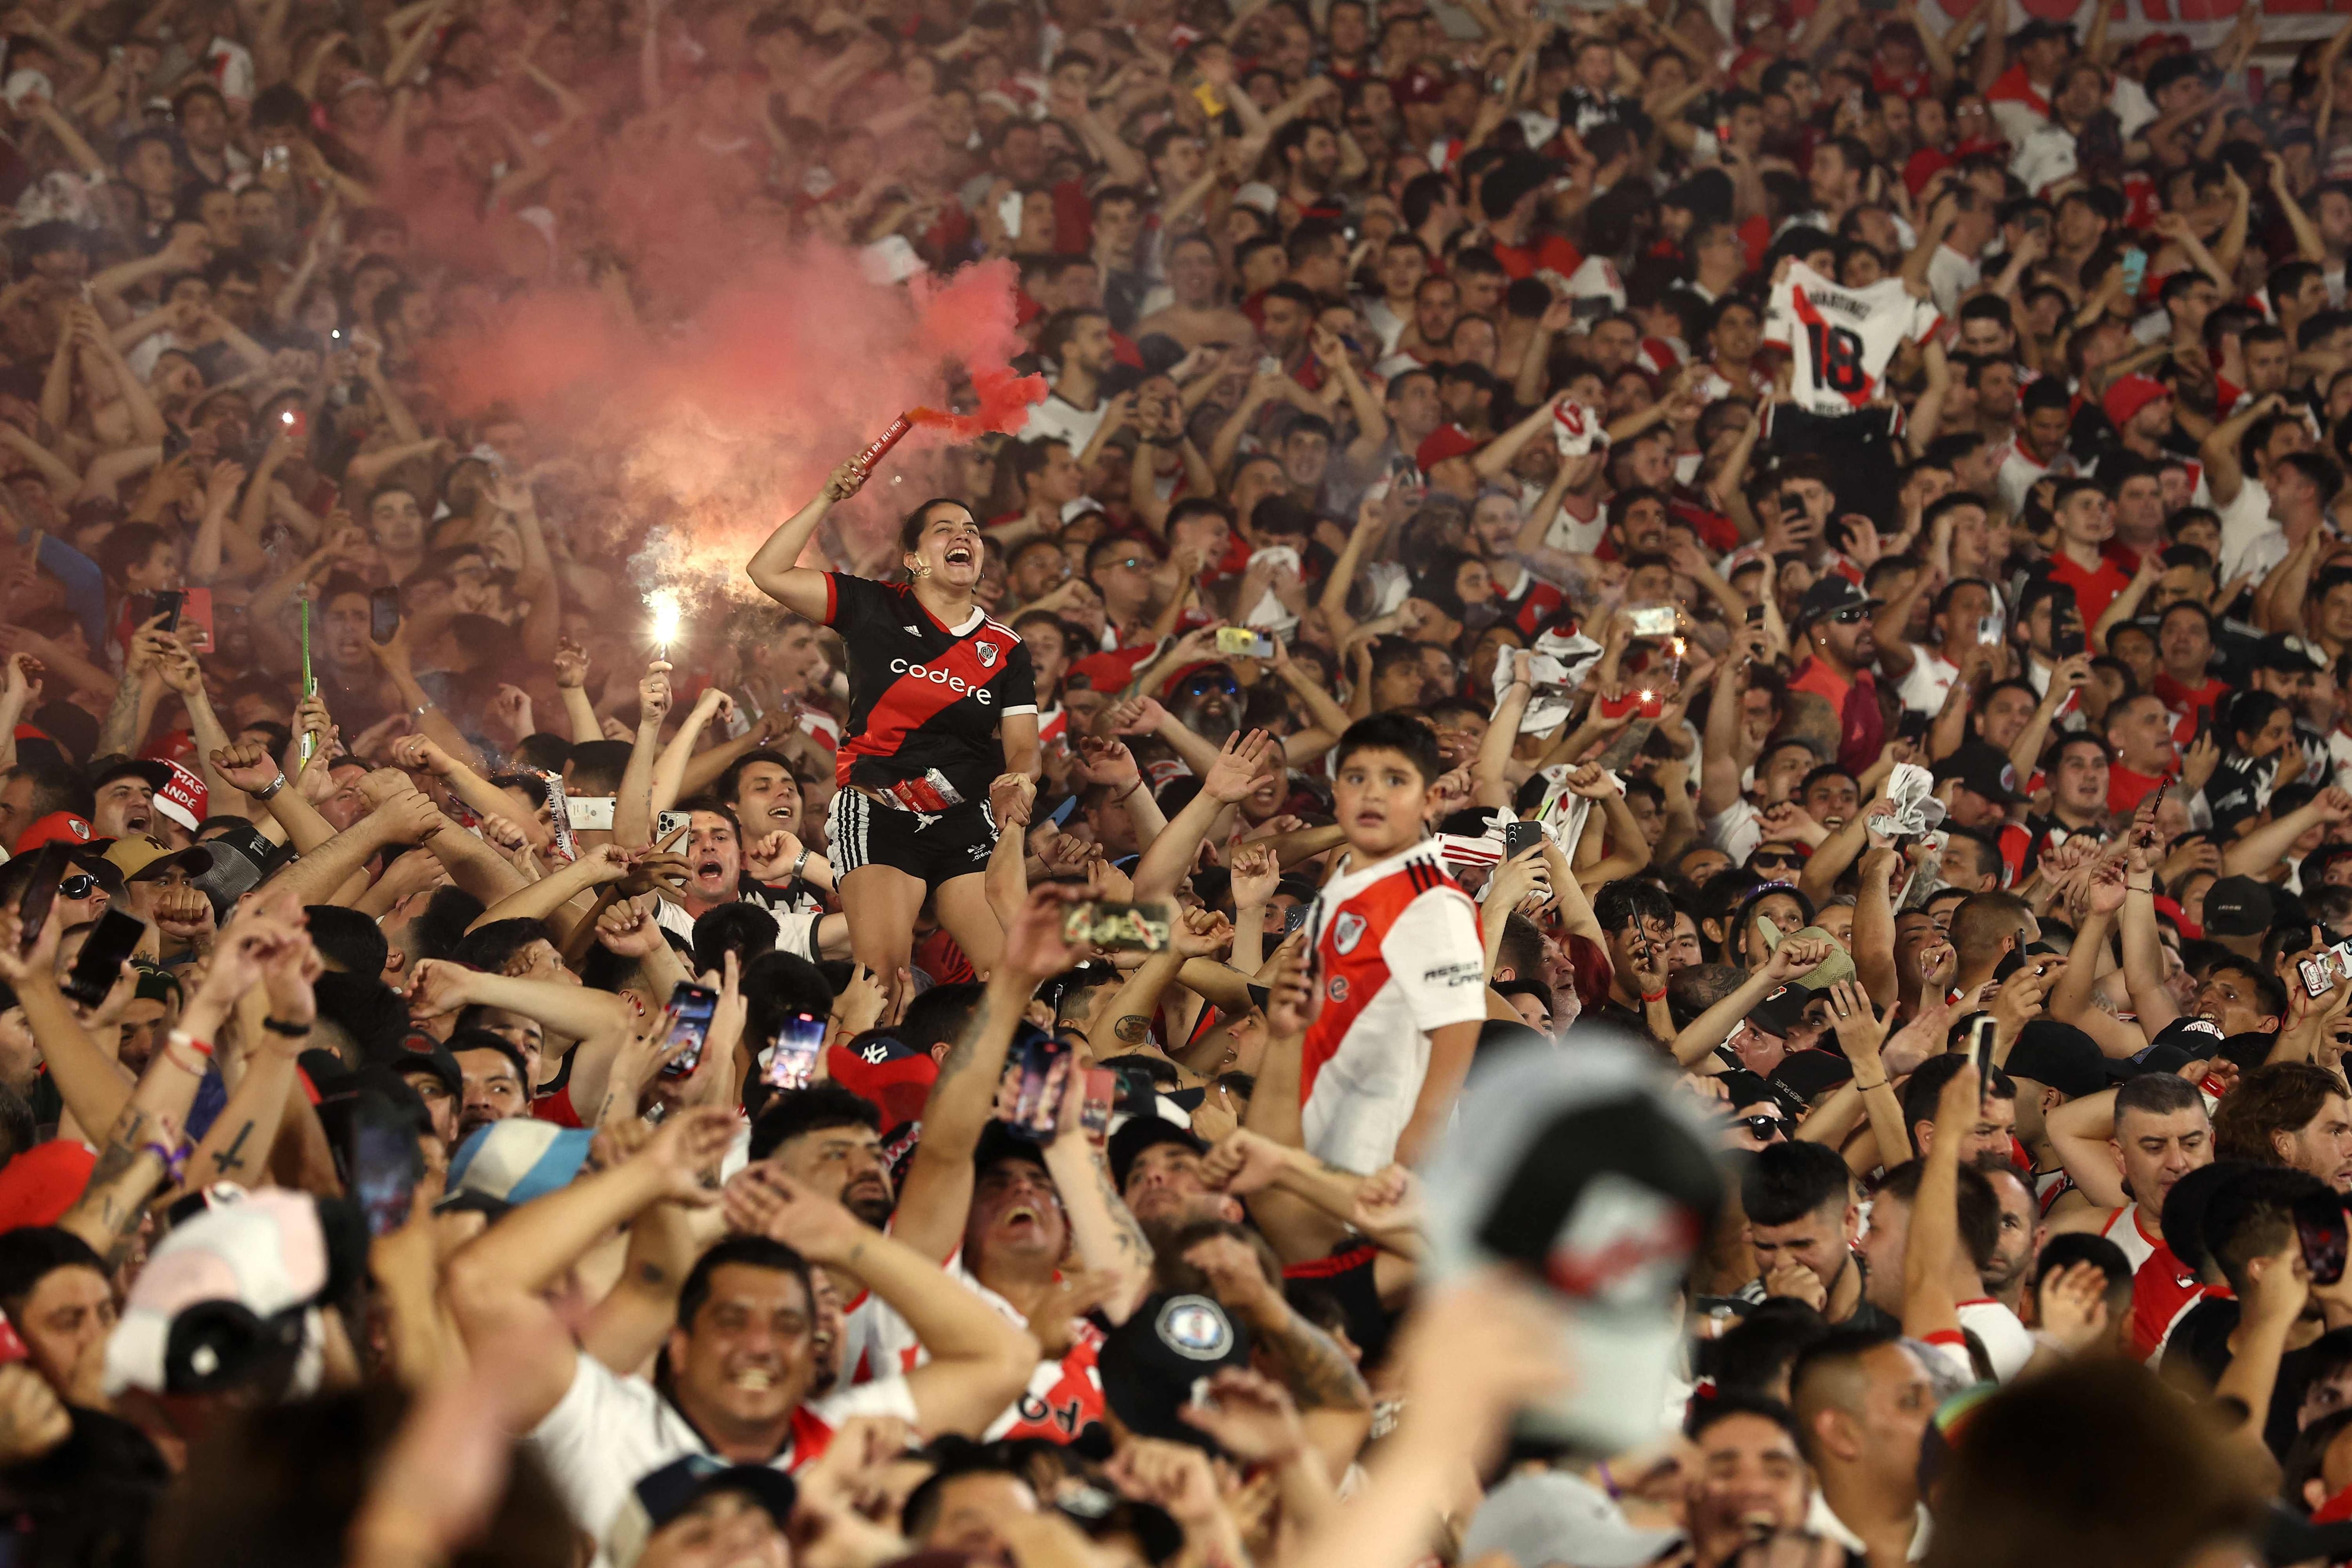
[(1749, 1483), (828, 1141), (716, 862), (1833, 624)]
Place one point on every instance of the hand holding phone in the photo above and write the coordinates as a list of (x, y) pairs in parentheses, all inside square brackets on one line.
[(99, 962), (691, 1009), (791, 1063)]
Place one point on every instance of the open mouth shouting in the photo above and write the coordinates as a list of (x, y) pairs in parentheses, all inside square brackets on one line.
[(710, 875)]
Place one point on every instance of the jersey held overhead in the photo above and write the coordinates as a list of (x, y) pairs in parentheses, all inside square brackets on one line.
[(1838, 339), (924, 699)]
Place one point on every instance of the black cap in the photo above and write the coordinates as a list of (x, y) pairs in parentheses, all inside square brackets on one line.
[(1150, 1363), (420, 1053), (1140, 1133), (2038, 28), (1782, 1011), (2238, 906), (1806, 1073), (999, 1142), (2061, 1056), (661, 1496), (1830, 596), (1981, 768), (2289, 655), (156, 774)]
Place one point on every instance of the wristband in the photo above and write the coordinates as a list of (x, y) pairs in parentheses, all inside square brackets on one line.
[(271, 788), (2139, 887), (1650, 997), (280, 1027), (799, 865), (418, 711), (182, 1037), (1866, 1087)]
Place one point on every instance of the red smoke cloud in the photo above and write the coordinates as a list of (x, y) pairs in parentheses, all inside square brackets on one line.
[(732, 373)]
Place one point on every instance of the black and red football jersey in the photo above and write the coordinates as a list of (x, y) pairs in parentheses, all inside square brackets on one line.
[(924, 697)]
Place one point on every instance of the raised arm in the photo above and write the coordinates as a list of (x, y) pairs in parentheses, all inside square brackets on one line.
[(775, 566)]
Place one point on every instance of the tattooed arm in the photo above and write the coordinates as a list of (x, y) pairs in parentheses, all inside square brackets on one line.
[(938, 1191), (240, 1138), (128, 1169), (1331, 1394), (1108, 1239)]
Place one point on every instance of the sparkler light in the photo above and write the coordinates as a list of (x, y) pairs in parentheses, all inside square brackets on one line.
[(664, 604)]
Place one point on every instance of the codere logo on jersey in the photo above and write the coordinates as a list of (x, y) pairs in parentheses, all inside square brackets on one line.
[(955, 683)]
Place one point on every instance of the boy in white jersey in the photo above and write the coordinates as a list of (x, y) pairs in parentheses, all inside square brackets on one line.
[(1397, 960)]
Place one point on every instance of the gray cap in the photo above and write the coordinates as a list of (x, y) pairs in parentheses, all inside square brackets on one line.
[(1548, 1517)]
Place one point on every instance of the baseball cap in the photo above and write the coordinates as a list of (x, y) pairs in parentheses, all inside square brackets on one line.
[(1137, 1133), (141, 856), (2289, 655), (1806, 1073), (2128, 395), (2238, 906), (232, 1289), (153, 773), (515, 1161), (58, 827), (182, 797), (1150, 1363), (1582, 1171), (40, 1185), (420, 1053), (2042, 27), (886, 1072), (1830, 596), (1981, 768), (2058, 1054), (661, 1496), (1782, 1011), (1445, 441), (1542, 1517)]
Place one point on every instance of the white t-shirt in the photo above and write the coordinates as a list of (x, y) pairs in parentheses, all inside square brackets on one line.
[(1840, 339), (1056, 417), (608, 1432), (1950, 275), (2242, 523), (1929, 682)]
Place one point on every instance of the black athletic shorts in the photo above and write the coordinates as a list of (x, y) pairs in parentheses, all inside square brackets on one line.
[(937, 846)]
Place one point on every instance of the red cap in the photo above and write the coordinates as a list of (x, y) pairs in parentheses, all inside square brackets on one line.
[(40, 1185), (2128, 395), (1922, 168), (1445, 441), (183, 797), (1108, 671), (58, 827), (898, 1084)]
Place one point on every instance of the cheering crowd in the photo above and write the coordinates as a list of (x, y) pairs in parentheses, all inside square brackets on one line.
[(1619, 832)]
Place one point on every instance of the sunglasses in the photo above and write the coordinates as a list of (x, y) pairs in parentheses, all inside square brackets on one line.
[(78, 886), (1766, 1127), (1774, 860)]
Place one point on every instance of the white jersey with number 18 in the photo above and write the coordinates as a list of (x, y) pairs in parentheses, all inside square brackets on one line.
[(1840, 339)]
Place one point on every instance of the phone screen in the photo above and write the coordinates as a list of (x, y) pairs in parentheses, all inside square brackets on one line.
[(385, 1165), (100, 964), (793, 1063), (690, 1010), (40, 893), (1045, 1069), (384, 615)]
